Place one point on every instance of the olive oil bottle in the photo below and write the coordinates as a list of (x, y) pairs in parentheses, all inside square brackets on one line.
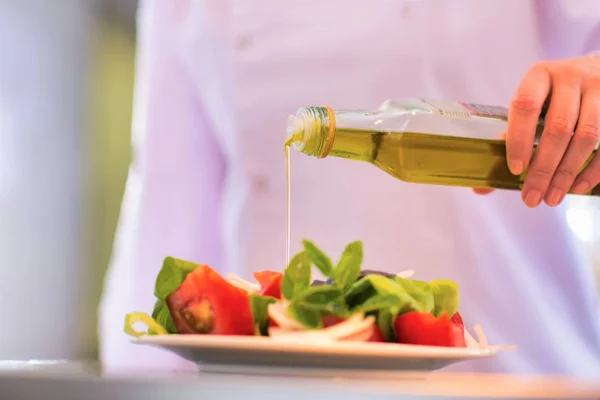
[(414, 140)]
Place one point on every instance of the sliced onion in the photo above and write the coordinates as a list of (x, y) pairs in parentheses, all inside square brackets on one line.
[(357, 328), (278, 313), (361, 336), (355, 324), (311, 336), (481, 337), (243, 284), (470, 341), (406, 274), (482, 341)]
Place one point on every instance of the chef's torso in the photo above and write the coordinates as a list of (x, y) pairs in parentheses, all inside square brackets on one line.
[(352, 55)]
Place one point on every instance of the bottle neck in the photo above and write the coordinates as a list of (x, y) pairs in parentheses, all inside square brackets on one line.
[(312, 131), (322, 132)]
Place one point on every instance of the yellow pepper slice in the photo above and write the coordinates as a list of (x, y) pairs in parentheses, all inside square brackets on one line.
[(153, 327)]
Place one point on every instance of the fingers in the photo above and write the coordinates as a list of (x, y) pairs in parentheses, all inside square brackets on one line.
[(483, 191), (588, 129), (571, 90), (589, 178), (523, 116), (582, 144), (561, 119)]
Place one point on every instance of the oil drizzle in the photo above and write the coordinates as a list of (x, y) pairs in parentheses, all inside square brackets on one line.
[(288, 188)]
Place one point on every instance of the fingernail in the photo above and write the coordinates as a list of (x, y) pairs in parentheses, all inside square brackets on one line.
[(554, 197), (515, 166), (581, 187), (533, 198), (483, 191)]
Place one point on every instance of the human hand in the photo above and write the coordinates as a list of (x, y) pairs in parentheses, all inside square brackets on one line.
[(571, 89)]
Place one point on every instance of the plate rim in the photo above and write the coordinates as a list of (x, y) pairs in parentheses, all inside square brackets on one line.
[(340, 348)]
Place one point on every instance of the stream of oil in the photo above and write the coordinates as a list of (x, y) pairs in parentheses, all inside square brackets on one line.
[(287, 145)]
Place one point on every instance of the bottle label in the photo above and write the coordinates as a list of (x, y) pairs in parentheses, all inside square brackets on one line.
[(486, 111), (455, 109)]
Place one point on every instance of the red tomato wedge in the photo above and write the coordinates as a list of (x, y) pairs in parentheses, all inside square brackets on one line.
[(330, 320), (272, 323), (457, 319), (377, 335), (270, 283), (205, 303), (425, 329)]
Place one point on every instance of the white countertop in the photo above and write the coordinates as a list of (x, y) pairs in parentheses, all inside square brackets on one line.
[(83, 380)]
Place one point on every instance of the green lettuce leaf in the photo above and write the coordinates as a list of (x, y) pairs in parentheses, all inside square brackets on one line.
[(446, 297), (170, 277)]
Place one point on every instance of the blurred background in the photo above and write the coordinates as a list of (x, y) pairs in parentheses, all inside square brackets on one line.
[(66, 80)]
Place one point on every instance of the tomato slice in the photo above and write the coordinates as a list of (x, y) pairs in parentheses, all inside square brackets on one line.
[(377, 335), (270, 283), (330, 320), (426, 329), (457, 319), (206, 303), (272, 323)]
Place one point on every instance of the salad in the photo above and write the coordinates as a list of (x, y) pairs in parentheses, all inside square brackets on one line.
[(352, 304)]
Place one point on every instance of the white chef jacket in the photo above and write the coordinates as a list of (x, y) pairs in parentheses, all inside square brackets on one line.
[(215, 82)]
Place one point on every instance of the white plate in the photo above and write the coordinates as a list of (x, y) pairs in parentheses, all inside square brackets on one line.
[(263, 355)]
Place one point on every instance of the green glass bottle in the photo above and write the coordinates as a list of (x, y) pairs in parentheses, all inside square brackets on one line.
[(414, 140)]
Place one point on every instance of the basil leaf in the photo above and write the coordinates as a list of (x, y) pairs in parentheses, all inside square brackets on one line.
[(384, 285), (378, 285), (348, 268), (359, 292), (165, 320), (380, 302), (326, 299), (171, 276), (259, 306), (318, 258), (385, 322), (162, 315), (446, 297), (309, 318), (158, 306), (320, 295), (421, 292), (296, 276)]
